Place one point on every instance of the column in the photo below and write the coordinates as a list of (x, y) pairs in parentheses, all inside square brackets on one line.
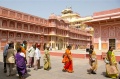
[(65, 45), (22, 26), (15, 39), (100, 39), (28, 27), (8, 24), (16, 25), (99, 43), (42, 42)]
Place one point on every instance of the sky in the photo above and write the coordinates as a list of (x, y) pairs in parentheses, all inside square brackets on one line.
[(43, 8)]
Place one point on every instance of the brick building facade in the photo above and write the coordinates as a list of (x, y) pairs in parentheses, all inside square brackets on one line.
[(17, 26)]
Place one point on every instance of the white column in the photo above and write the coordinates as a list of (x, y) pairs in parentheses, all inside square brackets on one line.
[(100, 39), (99, 43)]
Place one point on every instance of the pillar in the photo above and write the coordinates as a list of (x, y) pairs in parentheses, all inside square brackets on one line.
[(16, 25), (100, 39), (28, 27), (42, 43), (99, 43), (8, 23)]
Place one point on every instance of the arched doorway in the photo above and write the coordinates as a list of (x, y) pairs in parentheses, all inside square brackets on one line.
[(60, 44)]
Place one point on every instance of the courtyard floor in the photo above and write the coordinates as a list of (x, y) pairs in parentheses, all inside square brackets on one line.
[(80, 70)]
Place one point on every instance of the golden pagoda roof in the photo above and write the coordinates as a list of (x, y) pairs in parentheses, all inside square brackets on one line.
[(81, 19), (70, 15), (67, 10)]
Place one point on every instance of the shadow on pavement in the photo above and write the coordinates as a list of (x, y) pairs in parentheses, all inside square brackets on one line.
[(104, 74), (4, 76)]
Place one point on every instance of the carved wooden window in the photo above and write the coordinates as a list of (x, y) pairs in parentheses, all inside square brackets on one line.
[(31, 18), (19, 15), (46, 30), (45, 38), (18, 35), (4, 34), (36, 28), (31, 36), (4, 23), (25, 36), (36, 19), (11, 35), (45, 21), (4, 12), (25, 27), (41, 21), (31, 27), (25, 17), (19, 26), (41, 29), (49, 38), (36, 37), (12, 14), (12, 24)]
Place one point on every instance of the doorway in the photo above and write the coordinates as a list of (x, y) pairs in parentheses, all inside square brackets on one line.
[(112, 43), (60, 44)]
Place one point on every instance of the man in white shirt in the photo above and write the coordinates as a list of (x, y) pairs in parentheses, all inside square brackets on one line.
[(31, 53), (37, 57)]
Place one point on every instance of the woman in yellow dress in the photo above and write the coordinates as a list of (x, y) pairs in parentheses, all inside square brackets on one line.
[(47, 63), (112, 62)]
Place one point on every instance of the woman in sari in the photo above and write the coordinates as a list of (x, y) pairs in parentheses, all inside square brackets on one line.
[(20, 63), (112, 62), (92, 60), (47, 63), (19, 45), (67, 60)]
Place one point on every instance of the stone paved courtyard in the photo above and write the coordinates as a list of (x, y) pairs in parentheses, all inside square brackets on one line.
[(80, 67)]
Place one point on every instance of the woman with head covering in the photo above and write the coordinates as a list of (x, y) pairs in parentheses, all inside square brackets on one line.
[(37, 57), (19, 45), (47, 63), (67, 60), (20, 63), (112, 63), (92, 60)]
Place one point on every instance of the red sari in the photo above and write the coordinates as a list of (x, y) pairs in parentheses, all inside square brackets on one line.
[(67, 60)]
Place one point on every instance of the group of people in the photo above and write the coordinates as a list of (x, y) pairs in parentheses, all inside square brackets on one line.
[(16, 58), (110, 60)]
